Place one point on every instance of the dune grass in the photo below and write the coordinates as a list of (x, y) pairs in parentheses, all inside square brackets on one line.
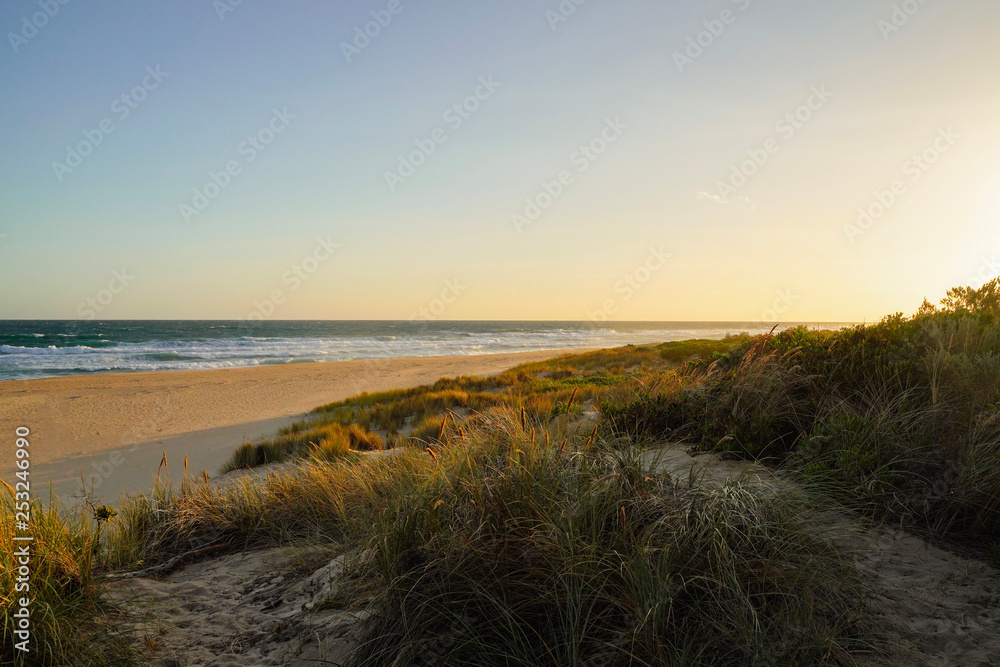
[(702, 350), (504, 543), (511, 552), (324, 442), (900, 419), (71, 620), (545, 389), (518, 523), (505, 530)]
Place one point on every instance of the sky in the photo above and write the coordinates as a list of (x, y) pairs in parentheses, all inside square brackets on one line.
[(832, 160)]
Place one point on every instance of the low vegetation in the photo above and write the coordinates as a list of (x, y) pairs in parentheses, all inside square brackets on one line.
[(321, 442), (518, 519), (900, 418), (502, 544), (511, 552), (544, 389), (70, 618)]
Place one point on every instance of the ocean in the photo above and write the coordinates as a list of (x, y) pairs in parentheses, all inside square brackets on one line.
[(49, 348)]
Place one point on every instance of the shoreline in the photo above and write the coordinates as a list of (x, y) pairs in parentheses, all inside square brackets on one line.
[(114, 428)]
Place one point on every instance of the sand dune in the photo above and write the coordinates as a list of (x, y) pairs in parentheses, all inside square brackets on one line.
[(266, 607), (113, 429)]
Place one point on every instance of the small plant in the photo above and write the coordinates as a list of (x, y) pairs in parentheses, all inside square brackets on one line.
[(104, 513)]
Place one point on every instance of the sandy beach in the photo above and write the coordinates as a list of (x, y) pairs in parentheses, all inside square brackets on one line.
[(113, 429)]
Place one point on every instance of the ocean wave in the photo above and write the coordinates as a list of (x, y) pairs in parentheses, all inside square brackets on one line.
[(187, 347), (170, 356), (51, 350)]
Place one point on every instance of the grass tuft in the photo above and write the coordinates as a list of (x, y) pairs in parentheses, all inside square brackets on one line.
[(514, 553), (71, 618)]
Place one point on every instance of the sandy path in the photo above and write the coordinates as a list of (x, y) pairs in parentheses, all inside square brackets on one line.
[(113, 429), (944, 607), (243, 610)]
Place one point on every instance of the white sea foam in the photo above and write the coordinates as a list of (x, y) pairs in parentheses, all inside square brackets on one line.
[(234, 352), (52, 350)]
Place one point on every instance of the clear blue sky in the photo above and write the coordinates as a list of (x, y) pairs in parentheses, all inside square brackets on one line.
[(681, 129)]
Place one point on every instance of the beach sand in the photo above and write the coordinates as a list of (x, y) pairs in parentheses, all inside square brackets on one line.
[(113, 429)]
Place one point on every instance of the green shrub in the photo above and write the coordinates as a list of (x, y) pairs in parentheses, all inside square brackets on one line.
[(681, 351)]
